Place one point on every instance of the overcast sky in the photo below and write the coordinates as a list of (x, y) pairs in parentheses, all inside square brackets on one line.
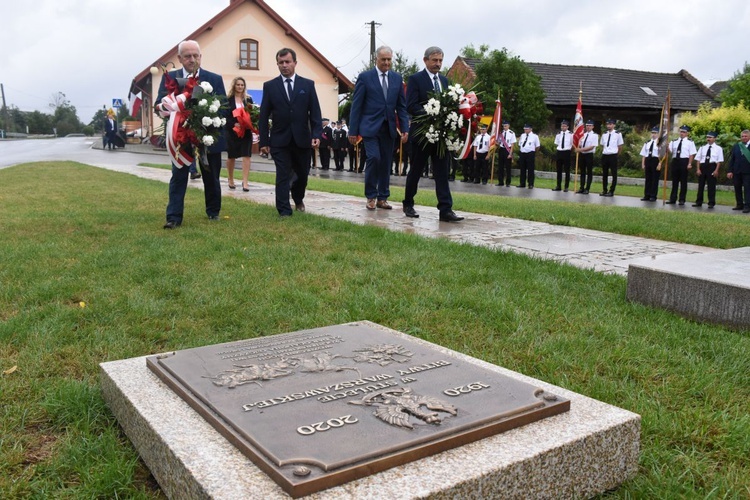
[(91, 49)]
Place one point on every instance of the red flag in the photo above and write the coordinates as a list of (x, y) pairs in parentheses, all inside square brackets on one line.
[(135, 101), (578, 123), (497, 125)]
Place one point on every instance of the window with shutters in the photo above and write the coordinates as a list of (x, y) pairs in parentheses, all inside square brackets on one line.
[(248, 54)]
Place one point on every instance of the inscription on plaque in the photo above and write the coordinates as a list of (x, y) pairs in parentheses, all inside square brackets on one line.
[(318, 408)]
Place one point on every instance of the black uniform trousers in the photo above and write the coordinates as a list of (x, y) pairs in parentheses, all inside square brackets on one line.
[(707, 177), (527, 163), (563, 165), (679, 179), (651, 187), (609, 164), (587, 171)]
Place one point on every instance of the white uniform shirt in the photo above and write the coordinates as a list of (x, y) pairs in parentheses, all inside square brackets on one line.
[(589, 139), (528, 142), (717, 155), (481, 143), (611, 140), (568, 144), (686, 151), (509, 136), (652, 147)]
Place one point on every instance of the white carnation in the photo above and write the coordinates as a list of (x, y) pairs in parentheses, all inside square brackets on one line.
[(207, 87), (208, 140), (206, 121), (213, 109), (216, 121), (223, 121), (216, 103), (202, 102)]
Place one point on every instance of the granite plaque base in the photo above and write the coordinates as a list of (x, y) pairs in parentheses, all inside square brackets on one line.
[(321, 407), (582, 452), (712, 287)]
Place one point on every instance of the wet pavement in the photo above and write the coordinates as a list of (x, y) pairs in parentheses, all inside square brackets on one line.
[(584, 248)]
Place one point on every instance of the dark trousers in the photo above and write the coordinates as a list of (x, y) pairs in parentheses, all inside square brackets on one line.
[(379, 151), (325, 157), (742, 181), (211, 188), (338, 158), (504, 166), (352, 157), (440, 168), (707, 177), (467, 169), (526, 163), (587, 170), (651, 188), (563, 165), (679, 179), (292, 169), (609, 164), (481, 172)]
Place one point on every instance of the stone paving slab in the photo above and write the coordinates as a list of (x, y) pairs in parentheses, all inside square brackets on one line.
[(583, 248)]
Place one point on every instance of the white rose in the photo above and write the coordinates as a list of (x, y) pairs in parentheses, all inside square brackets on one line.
[(207, 87), (206, 121), (216, 121), (202, 102), (208, 140)]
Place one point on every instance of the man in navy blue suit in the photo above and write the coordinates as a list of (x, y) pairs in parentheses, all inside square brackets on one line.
[(418, 91), (189, 55), (290, 101), (739, 172), (378, 109)]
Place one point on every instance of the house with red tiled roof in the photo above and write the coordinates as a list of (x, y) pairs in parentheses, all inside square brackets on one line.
[(635, 97), (242, 40)]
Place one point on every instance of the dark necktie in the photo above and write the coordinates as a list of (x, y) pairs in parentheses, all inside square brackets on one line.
[(708, 155), (384, 83), (609, 136), (562, 144), (585, 138), (679, 148), (437, 85), (651, 150), (289, 88)]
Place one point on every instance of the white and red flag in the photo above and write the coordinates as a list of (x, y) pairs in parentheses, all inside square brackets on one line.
[(578, 123)]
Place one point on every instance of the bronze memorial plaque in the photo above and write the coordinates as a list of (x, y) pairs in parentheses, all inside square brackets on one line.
[(317, 408)]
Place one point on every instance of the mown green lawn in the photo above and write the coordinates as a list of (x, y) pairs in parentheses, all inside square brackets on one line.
[(88, 275)]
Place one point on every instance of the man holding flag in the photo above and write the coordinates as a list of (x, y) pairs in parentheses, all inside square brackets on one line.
[(504, 140)]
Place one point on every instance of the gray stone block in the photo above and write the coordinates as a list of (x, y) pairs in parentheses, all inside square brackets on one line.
[(588, 450), (713, 287)]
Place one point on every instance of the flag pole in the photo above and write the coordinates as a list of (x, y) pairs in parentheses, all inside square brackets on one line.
[(575, 177), (667, 106)]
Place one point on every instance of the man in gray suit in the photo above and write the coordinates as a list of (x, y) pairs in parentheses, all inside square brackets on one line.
[(290, 101)]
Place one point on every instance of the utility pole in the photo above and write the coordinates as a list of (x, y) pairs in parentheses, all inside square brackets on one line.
[(372, 43), (8, 125)]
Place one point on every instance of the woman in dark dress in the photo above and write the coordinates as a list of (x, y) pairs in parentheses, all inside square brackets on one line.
[(240, 130)]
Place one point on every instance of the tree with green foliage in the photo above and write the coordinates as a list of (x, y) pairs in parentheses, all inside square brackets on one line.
[(738, 89), (502, 74), (65, 117)]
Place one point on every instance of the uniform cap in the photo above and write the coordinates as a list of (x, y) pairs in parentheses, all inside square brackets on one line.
[(589, 122), (526, 125), (655, 129), (685, 128), (712, 134), (565, 122), (611, 120)]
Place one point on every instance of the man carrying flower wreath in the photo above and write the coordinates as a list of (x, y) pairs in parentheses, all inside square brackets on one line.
[(426, 94), (189, 55)]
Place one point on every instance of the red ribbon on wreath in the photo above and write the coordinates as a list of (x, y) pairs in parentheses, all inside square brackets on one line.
[(244, 122), (174, 107)]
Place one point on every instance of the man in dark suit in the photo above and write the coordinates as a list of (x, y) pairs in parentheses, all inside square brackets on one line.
[(290, 101), (417, 94), (189, 55), (739, 172), (378, 109), (110, 130), (326, 141)]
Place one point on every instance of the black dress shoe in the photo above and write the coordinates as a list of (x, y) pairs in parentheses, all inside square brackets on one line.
[(652, 199), (580, 191), (711, 205), (452, 217), (603, 193), (299, 207), (585, 191), (213, 217), (556, 189), (697, 204), (746, 210), (738, 207), (410, 212), (170, 225), (465, 180), (670, 202), (681, 203), (645, 198), (519, 186), (195, 176), (609, 195)]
